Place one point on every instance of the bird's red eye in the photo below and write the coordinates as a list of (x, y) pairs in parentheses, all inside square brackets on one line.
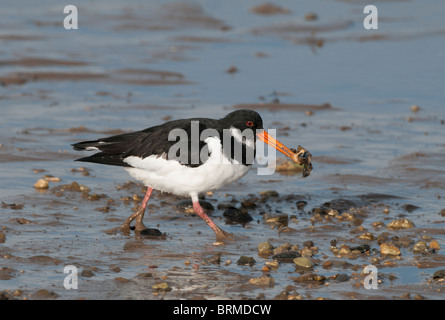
[(249, 123)]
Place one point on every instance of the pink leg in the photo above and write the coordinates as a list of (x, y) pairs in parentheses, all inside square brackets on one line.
[(220, 234), (138, 215)]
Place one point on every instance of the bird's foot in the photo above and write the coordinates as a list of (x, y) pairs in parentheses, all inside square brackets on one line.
[(222, 236)]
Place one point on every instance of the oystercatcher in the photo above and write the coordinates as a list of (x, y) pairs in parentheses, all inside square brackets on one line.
[(205, 159)]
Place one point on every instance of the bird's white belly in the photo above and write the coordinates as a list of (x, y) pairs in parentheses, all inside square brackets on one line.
[(171, 176), (184, 181)]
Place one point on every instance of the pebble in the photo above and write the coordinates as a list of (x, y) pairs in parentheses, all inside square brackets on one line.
[(161, 287), (400, 224), (420, 247), (43, 294), (344, 250), (41, 184), (2, 237), (186, 206), (51, 178), (150, 233), (434, 245), (278, 219), (268, 194), (304, 262), (342, 277), (23, 221), (361, 248), (246, 261), (389, 249), (236, 215), (282, 248), (310, 278), (286, 256), (306, 252), (415, 108), (367, 236), (262, 281), (439, 274), (265, 248), (310, 16)]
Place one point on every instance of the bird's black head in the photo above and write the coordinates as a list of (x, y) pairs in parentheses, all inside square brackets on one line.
[(243, 119)]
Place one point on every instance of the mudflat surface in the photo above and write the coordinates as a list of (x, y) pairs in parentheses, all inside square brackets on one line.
[(368, 104)]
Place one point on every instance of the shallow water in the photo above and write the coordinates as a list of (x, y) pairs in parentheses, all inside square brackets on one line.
[(132, 65)]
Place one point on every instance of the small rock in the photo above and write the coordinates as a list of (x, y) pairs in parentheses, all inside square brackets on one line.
[(23, 221), (367, 236), (400, 224), (122, 279), (361, 248), (2, 237), (410, 207), (276, 219), (306, 252), (342, 277), (439, 275), (304, 262), (87, 273), (41, 184), (44, 294), (282, 248), (434, 245), (420, 247), (344, 250), (161, 287), (236, 215), (310, 278), (144, 275), (275, 264), (310, 16), (269, 8), (262, 281), (51, 178), (232, 69), (286, 256), (268, 194), (442, 213), (246, 261), (415, 108), (186, 206), (389, 249), (150, 233), (265, 248)]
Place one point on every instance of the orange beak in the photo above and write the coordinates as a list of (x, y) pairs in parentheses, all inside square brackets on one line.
[(266, 138)]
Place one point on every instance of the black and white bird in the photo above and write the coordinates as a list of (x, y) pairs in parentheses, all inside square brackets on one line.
[(214, 153)]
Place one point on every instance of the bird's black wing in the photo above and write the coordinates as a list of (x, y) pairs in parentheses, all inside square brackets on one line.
[(178, 139)]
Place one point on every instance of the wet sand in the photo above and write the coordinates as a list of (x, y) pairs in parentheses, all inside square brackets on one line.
[(375, 196)]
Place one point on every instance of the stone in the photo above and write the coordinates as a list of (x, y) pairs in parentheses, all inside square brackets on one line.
[(400, 224), (439, 274), (434, 245), (246, 261), (420, 247), (265, 248), (286, 256), (236, 215), (389, 249), (262, 281), (304, 262), (161, 287), (41, 184)]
